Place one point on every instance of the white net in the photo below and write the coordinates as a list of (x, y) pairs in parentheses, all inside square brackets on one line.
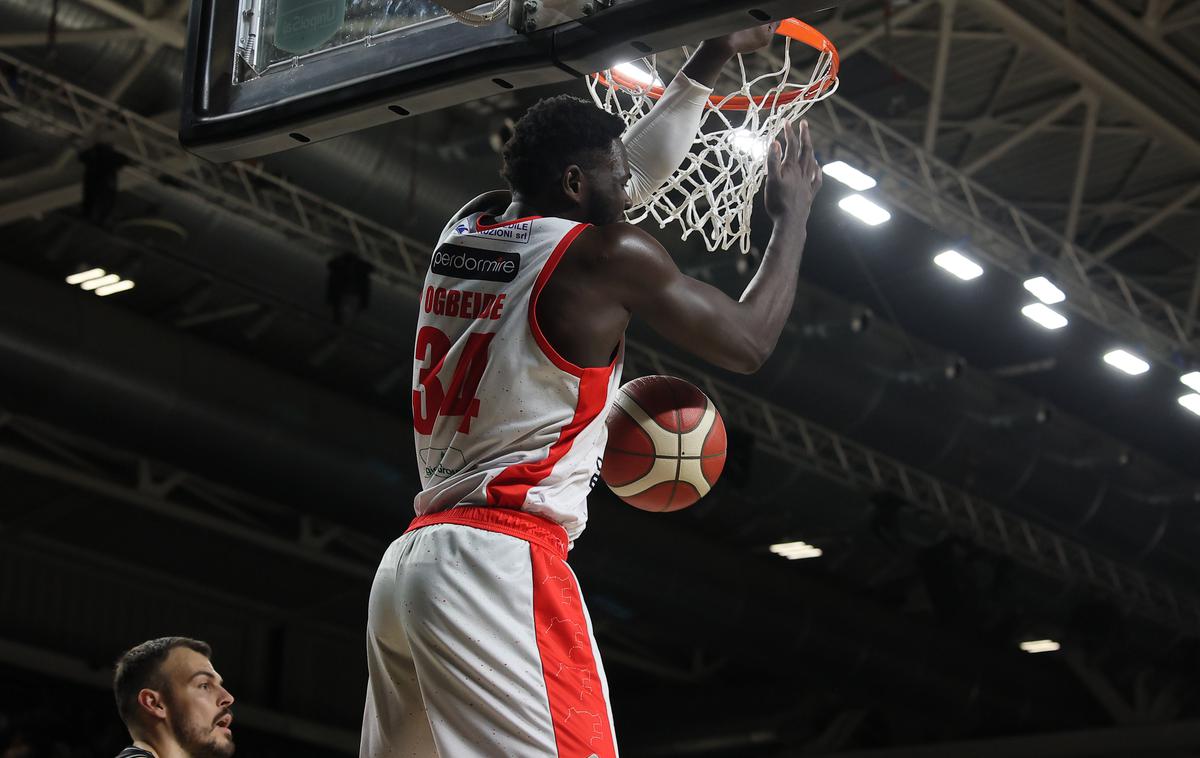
[(713, 192)]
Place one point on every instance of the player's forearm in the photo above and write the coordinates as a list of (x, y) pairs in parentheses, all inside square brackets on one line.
[(766, 303), (658, 143)]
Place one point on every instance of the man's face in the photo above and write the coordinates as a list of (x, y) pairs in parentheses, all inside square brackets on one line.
[(198, 707), (607, 196)]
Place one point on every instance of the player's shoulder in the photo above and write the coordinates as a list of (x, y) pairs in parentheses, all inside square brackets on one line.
[(621, 241)]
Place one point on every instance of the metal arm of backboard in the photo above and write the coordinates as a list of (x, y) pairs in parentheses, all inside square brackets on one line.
[(422, 68)]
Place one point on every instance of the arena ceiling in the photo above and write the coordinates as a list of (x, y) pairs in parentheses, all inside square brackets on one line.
[(212, 454)]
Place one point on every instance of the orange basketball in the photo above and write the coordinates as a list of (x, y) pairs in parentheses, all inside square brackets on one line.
[(666, 444)]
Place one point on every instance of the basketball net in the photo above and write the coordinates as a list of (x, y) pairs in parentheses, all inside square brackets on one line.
[(713, 192)]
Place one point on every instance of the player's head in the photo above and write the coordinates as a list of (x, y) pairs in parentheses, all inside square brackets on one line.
[(167, 689), (567, 154)]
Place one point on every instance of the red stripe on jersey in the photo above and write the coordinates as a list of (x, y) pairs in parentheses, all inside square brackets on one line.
[(538, 285), (574, 686), (511, 485)]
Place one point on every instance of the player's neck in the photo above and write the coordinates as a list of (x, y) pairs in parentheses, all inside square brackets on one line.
[(523, 207)]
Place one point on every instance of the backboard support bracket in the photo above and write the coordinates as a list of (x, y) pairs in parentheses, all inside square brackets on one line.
[(528, 16)]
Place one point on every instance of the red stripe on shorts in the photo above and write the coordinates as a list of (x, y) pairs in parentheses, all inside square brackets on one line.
[(574, 686)]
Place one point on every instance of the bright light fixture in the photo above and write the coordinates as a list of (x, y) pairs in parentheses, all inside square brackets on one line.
[(1040, 646), (1191, 402), (748, 143), (112, 289), (1044, 290), (1044, 316), (638, 74), (959, 265), (864, 210), (848, 175), (103, 281), (1192, 380), (1127, 362), (796, 550), (84, 276)]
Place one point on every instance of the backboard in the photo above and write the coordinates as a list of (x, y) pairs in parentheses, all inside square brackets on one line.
[(266, 75)]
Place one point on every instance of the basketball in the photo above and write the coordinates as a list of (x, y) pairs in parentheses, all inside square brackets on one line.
[(666, 444)]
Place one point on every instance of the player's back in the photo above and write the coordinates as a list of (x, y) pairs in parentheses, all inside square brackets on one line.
[(500, 418)]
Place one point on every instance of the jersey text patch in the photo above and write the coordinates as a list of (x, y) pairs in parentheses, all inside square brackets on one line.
[(469, 263)]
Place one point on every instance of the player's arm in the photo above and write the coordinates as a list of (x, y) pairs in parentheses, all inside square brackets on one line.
[(658, 143), (735, 334)]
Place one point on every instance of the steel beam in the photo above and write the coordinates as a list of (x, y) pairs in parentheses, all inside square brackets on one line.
[(880, 29), (1150, 36), (1043, 121), (1026, 33), (65, 460), (169, 33), (1081, 174), (68, 37), (939, 75), (1193, 303), (1136, 232)]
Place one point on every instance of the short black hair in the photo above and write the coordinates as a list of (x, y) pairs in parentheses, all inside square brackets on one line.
[(140, 667), (553, 134)]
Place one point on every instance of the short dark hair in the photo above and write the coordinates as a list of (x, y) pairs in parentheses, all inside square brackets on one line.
[(140, 667), (553, 134)]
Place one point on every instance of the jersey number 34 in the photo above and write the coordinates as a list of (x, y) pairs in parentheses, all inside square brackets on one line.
[(430, 399)]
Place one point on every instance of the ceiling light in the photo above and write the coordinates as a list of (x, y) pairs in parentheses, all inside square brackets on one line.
[(1044, 316), (796, 550), (1127, 362), (959, 265), (103, 281), (112, 289), (864, 210), (748, 143), (1043, 290), (1192, 380), (848, 175), (1040, 646), (638, 74), (1191, 402), (84, 276)]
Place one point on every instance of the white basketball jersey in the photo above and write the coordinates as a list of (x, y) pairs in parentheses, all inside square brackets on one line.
[(501, 419)]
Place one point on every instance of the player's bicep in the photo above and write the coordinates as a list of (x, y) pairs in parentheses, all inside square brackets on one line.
[(688, 312)]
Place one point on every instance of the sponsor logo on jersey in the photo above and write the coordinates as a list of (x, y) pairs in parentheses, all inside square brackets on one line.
[(519, 232), (440, 462), (469, 263)]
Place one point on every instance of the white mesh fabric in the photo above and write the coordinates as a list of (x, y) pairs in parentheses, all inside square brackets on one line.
[(713, 191)]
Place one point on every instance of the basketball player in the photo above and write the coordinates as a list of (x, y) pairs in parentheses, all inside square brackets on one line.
[(478, 640), (172, 701)]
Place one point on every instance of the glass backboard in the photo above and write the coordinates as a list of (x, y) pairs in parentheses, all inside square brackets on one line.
[(266, 75)]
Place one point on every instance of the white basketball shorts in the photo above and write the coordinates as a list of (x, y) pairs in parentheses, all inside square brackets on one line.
[(479, 644)]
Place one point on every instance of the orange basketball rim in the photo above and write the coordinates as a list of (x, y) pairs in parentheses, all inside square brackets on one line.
[(793, 29)]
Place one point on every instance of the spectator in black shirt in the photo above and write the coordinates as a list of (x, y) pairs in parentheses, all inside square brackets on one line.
[(172, 701)]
